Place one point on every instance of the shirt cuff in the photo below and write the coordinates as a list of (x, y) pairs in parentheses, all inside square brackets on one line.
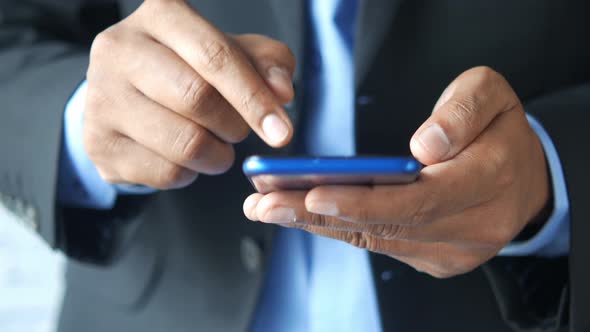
[(79, 183), (553, 239)]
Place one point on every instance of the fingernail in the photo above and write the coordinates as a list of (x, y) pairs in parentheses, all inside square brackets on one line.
[(280, 216), (280, 78), (275, 129), (323, 208), (434, 141), (249, 205)]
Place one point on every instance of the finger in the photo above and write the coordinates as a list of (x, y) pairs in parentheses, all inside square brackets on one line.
[(173, 137), (464, 228), (250, 206), (164, 77), (127, 162), (472, 228), (281, 207), (438, 258), (433, 196), (221, 63), (273, 60), (288, 208), (464, 110)]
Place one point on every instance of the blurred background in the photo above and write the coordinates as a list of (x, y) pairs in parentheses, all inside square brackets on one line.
[(31, 279)]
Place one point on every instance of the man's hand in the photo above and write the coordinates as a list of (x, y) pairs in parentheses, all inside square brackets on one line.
[(168, 95), (485, 179)]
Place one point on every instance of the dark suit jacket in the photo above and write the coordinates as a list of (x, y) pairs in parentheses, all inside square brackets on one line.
[(187, 260)]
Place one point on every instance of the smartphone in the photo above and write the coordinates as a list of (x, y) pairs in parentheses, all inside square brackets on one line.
[(268, 174)]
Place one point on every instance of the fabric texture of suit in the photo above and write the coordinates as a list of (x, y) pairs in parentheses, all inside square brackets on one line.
[(188, 260)]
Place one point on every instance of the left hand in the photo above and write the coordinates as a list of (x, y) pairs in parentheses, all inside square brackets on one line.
[(484, 179)]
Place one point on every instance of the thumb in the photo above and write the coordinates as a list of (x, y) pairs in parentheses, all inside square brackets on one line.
[(464, 110), (273, 60)]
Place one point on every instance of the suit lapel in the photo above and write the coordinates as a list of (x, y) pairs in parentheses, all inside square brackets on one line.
[(374, 21)]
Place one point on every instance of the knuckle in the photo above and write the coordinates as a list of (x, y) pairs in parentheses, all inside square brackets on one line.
[(90, 142), (107, 176), (423, 211), (499, 236), (216, 55), (190, 143), (359, 240), (486, 77), (266, 49), (486, 73), (441, 274), (93, 143), (225, 163), (193, 91), (99, 146), (96, 99), (444, 265), (502, 232), (278, 50), (489, 80), (283, 50), (168, 175), (104, 43), (467, 264), (464, 111), (498, 165), (251, 99), (427, 269), (355, 239), (388, 231), (318, 220), (239, 134), (452, 266)]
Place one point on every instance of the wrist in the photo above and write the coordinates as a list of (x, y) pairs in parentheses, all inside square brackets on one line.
[(540, 192)]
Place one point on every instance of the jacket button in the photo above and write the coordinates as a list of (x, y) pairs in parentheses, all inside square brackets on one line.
[(364, 101), (251, 254)]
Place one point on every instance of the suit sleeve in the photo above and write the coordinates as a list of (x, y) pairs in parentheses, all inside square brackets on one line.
[(566, 117), (44, 47), (542, 293)]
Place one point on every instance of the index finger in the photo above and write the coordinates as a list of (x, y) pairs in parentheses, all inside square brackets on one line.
[(222, 64)]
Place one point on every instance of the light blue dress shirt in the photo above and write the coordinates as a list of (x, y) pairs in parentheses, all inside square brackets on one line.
[(314, 283)]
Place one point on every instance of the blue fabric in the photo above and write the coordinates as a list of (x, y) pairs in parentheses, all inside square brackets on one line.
[(285, 295), (79, 184), (313, 283)]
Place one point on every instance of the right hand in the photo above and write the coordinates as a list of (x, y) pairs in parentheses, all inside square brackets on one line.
[(168, 95)]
